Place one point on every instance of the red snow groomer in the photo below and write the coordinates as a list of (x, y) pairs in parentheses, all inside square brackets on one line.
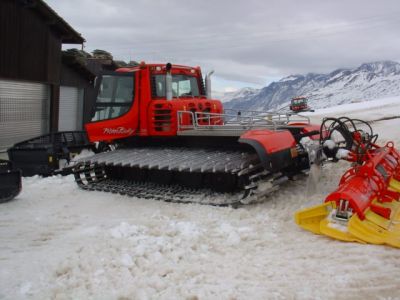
[(365, 207), (172, 141), (299, 104)]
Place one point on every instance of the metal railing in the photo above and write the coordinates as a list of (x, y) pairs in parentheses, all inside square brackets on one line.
[(193, 120)]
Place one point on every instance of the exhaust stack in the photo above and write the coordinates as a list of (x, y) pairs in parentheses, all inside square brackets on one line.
[(168, 82), (208, 84)]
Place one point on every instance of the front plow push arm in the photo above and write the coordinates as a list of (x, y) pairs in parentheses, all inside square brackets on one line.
[(10, 181), (365, 207)]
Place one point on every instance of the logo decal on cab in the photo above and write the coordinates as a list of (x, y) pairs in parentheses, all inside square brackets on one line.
[(118, 130)]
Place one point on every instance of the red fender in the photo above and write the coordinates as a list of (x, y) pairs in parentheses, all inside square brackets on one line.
[(276, 149)]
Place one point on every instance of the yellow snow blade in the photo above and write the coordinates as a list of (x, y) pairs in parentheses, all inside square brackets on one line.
[(338, 231), (310, 218), (395, 185), (394, 207), (395, 215), (381, 221), (375, 229)]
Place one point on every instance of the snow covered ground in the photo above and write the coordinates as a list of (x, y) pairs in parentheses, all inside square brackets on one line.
[(369, 111), (60, 242)]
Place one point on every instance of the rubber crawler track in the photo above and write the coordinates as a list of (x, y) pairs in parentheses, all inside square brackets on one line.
[(97, 173)]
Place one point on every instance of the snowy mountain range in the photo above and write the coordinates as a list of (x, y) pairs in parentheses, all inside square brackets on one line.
[(240, 95), (366, 82)]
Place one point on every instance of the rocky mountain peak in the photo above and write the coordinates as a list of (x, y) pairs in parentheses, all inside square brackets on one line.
[(366, 82)]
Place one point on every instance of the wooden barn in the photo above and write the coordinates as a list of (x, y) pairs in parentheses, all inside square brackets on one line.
[(39, 92)]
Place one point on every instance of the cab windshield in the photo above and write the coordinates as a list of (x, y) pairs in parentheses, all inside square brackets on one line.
[(115, 96), (182, 86), (299, 101)]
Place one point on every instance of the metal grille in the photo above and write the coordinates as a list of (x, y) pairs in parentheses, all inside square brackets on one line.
[(24, 111)]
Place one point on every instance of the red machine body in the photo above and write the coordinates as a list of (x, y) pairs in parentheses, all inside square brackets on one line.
[(132, 102)]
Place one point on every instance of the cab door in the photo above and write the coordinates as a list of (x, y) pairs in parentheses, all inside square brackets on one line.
[(115, 109)]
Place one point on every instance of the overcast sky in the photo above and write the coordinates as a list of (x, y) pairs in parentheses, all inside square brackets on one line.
[(247, 43)]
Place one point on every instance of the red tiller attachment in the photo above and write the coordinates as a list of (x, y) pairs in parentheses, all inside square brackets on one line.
[(362, 184), (365, 207)]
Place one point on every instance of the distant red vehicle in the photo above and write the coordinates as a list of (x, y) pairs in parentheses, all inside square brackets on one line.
[(299, 104)]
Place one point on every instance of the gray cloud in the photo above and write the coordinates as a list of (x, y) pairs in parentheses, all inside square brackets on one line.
[(249, 41)]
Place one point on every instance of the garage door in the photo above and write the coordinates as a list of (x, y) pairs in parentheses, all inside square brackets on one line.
[(24, 111), (71, 104)]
